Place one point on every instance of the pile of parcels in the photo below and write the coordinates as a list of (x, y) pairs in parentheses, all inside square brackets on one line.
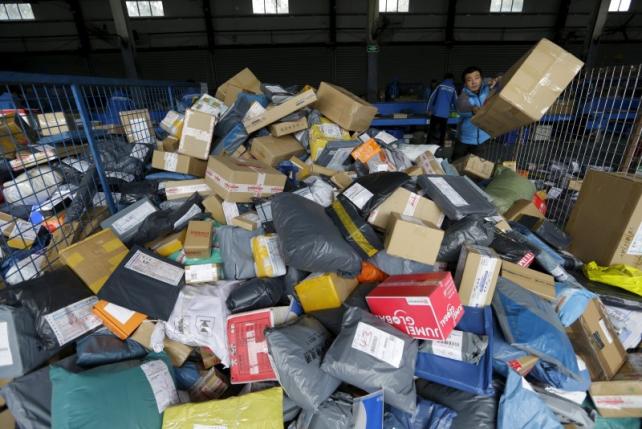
[(303, 270)]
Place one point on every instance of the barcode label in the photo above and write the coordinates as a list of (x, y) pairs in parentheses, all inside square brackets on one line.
[(451, 347), (378, 344)]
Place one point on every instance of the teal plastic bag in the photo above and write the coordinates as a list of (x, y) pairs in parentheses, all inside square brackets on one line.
[(507, 187)]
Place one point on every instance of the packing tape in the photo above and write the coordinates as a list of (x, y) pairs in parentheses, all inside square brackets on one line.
[(256, 189), (411, 204), (352, 229), (200, 135)]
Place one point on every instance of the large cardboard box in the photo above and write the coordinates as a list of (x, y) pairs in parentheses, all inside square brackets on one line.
[(411, 238), (344, 108), (622, 396), (542, 285), (522, 207), (198, 240), (276, 112), (596, 342), (474, 167), (321, 291), (476, 275), (95, 258), (424, 306), (408, 203), (138, 126), (180, 189), (239, 181), (55, 123), (198, 131), (272, 150), (178, 163), (528, 89), (606, 222), (280, 129), (242, 81)]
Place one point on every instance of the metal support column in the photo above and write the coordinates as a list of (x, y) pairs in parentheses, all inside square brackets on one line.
[(209, 29), (125, 37), (373, 49), (83, 34), (594, 31), (450, 21), (560, 20), (332, 37)]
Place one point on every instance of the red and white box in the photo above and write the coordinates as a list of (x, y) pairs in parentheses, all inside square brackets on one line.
[(425, 306)]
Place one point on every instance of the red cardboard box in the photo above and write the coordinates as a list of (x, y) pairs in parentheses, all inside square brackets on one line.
[(424, 306), (248, 348)]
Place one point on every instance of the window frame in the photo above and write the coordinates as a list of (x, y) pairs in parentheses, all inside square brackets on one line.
[(393, 11), (276, 8), (619, 5), (501, 7), (151, 10), (3, 5)]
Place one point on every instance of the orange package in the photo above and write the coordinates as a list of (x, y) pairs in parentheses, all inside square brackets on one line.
[(370, 274), (119, 320), (366, 150)]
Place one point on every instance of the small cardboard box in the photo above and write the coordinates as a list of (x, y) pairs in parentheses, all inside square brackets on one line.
[(197, 135), (273, 150), (597, 343), (424, 306), (575, 185), (178, 163), (138, 126), (344, 108), (429, 164), (168, 144), (180, 189), (214, 205), (95, 258), (280, 129), (55, 123), (605, 224), (622, 396), (276, 112), (177, 352), (239, 181), (476, 275), (474, 167), (411, 238), (322, 291), (541, 284), (210, 105), (173, 123), (244, 80), (165, 246), (198, 240), (119, 320), (522, 207), (528, 89), (249, 221), (408, 203)]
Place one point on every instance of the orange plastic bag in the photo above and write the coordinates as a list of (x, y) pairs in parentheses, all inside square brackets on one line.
[(366, 151), (370, 274)]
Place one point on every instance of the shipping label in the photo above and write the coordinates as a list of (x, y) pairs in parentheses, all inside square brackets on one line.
[(331, 130), (411, 204), (483, 280), (154, 268), (231, 210), (358, 195), (74, 320), (132, 219), (451, 347), (193, 211), (201, 273), (378, 344), (385, 137), (162, 384), (188, 190), (605, 331), (448, 191), (6, 357), (170, 161), (121, 314)]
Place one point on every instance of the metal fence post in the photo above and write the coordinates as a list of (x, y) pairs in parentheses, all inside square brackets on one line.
[(84, 116), (170, 91)]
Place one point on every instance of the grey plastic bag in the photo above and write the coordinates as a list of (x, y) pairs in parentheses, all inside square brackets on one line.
[(456, 196), (309, 239), (334, 413), (297, 349), (473, 347), (471, 230), (236, 251), (394, 265), (351, 358), (332, 317)]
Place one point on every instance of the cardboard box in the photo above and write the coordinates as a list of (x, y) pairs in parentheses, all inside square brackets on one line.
[(429, 164), (138, 126), (605, 224), (408, 203), (198, 240), (178, 163), (44, 153), (273, 150), (474, 167), (575, 185), (595, 340), (424, 306), (14, 132), (208, 358), (168, 144), (511, 165), (198, 132), (276, 112), (476, 275), (239, 181), (180, 189), (23, 234), (249, 221), (622, 396), (173, 123), (55, 123), (177, 352), (119, 320), (214, 205), (542, 285), (344, 108), (211, 385), (210, 105), (528, 89), (342, 180), (95, 258), (321, 291), (172, 243), (203, 273), (126, 222), (412, 238), (280, 129), (522, 207), (242, 81)]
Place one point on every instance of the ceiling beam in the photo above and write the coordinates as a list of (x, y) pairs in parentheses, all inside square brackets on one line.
[(560, 20), (594, 30), (125, 37)]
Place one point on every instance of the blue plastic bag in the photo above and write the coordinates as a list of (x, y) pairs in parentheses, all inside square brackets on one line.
[(428, 415), (521, 408), (571, 301)]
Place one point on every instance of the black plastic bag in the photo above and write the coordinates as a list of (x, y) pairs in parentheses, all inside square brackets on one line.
[(103, 347), (367, 192), (511, 247), (470, 230), (361, 236), (255, 294)]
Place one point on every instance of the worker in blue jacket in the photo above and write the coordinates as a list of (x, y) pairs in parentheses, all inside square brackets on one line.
[(440, 104), (470, 138)]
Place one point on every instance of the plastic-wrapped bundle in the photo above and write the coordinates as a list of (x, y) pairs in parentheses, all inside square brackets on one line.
[(372, 355), (254, 294), (33, 186), (309, 239), (456, 196), (471, 230), (236, 251), (296, 350)]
